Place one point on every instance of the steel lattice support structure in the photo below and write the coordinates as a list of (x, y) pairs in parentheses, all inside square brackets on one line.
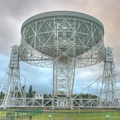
[(109, 90), (12, 84), (62, 40)]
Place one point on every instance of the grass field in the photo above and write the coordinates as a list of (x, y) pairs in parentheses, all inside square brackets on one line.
[(79, 115), (89, 114)]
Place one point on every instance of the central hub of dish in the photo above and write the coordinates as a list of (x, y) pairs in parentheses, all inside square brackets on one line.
[(53, 33)]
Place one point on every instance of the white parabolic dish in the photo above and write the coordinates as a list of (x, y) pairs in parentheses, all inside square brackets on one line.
[(65, 33)]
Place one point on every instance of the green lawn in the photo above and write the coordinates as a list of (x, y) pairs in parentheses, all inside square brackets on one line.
[(79, 116), (91, 114)]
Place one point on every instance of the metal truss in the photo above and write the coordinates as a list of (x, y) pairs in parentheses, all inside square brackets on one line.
[(11, 85), (39, 41), (62, 43), (34, 57), (109, 92)]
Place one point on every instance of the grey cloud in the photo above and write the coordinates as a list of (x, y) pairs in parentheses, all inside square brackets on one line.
[(14, 13)]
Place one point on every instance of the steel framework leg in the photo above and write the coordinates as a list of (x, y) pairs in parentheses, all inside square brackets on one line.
[(109, 92), (63, 81), (11, 85)]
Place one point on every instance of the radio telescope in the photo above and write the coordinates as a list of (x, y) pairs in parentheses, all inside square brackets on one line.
[(63, 41)]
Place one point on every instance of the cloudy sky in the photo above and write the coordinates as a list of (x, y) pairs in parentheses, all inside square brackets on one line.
[(14, 12)]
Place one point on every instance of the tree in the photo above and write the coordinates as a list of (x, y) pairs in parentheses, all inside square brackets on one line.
[(2, 95), (30, 91)]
